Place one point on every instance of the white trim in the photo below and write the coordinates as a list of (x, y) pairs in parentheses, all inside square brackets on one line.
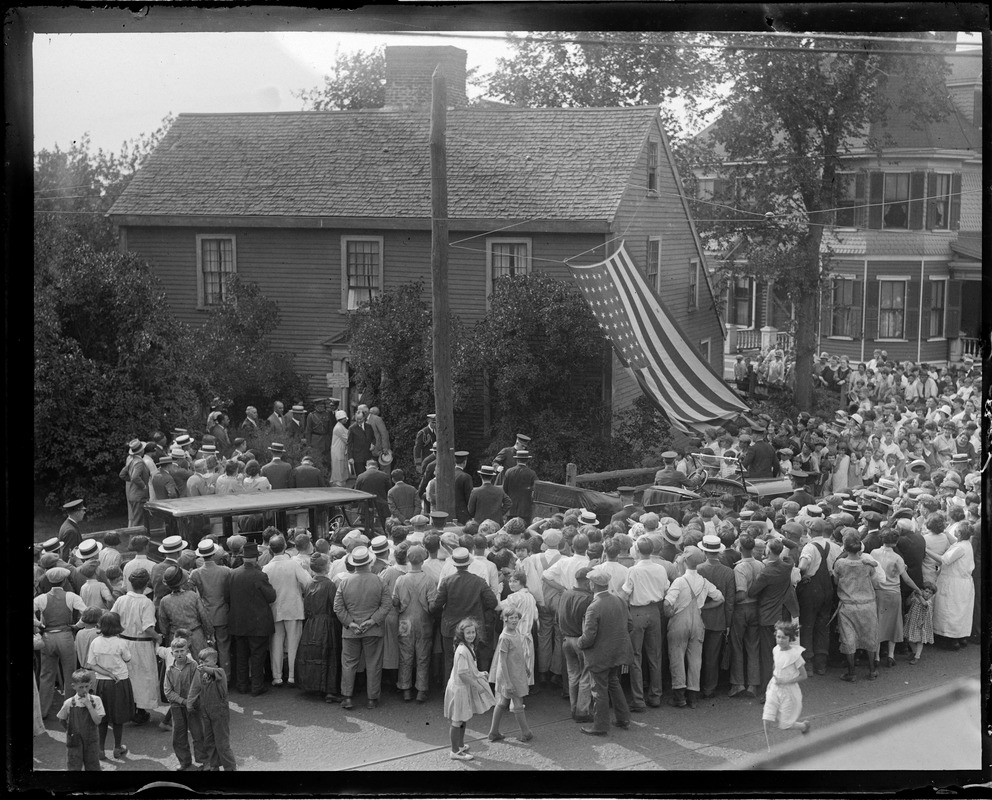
[(842, 338), (694, 303), (909, 258), (891, 340), (647, 166), (345, 239), (657, 274), (893, 278), (943, 325), (708, 343), (528, 261), (944, 277), (200, 238), (905, 295), (950, 193)]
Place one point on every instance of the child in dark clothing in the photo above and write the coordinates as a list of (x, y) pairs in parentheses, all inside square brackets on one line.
[(81, 714), (208, 697), (179, 679)]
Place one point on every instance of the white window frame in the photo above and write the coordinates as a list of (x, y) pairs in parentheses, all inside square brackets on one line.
[(528, 261), (732, 298), (706, 348), (909, 197), (904, 280), (943, 323), (700, 181), (694, 296), (947, 197), (345, 240), (201, 303), (657, 267), (851, 278)]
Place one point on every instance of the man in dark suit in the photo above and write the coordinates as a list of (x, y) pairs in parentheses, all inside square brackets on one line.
[(361, 439), (799, 494), (668, 475), (461, 595), (277, 423), (760, 460), (488, 501), (293, 425), (306, 476), (772, 590), (278, 471), (375, 481), (504, 458), (426, 437), (463, 487), (629, 507), (69, 534), (518, 483), (250, 621), (605, 642)]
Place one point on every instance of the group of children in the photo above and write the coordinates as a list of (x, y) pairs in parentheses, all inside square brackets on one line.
[(103, 699)]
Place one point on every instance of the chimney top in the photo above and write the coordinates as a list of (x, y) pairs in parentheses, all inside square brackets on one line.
[(409, 73)]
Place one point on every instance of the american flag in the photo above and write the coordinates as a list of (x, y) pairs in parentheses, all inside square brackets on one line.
[(652, 346)]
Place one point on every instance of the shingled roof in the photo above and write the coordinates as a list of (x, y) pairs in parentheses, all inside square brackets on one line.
[(554, 164)]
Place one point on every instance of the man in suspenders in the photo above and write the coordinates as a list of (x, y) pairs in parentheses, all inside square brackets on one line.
[(54, 609)]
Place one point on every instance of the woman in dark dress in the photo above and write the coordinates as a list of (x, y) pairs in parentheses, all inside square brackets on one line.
[(319, 654)]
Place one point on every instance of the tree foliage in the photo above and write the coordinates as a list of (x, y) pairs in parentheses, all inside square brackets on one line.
[(789, 120), (357, 80), (620, 69), (110, 365), (392, 361)]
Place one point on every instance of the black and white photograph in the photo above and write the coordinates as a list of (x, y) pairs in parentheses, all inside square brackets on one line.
[(485, 388)]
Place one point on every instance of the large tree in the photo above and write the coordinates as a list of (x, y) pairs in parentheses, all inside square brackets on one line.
[(788, 122), (357, 80)]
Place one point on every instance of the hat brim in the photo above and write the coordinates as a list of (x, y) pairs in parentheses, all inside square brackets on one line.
[(168, 551)]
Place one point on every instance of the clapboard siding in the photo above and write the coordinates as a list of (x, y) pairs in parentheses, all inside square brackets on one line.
[(971, 199)]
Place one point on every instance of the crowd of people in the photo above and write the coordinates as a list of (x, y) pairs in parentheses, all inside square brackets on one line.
[(871, 557)]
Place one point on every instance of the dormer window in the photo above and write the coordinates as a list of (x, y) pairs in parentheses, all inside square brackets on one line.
[(652, 166)]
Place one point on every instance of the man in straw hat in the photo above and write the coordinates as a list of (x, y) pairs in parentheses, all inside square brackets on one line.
[(136, 477), (172, 547), (278, 471), (361, 604), (717, 619), (54, 608), (605, 644), (213, 582), (250, 620)]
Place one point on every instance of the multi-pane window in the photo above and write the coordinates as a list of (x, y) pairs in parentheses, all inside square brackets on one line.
[(362, 270), (694, 283), (891, 309), (739, 303), (895, 200), (845, 311), (847, 199), (937, 291), (506, 257), (941, 187), (652, 166), (215, 255), (653, 261)]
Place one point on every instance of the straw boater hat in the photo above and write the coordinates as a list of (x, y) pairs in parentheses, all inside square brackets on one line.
[(135, 447), (208, 548), (277, 448), (380, 544), (298, 409), (173, 545), (87, 549), (672, 532), (385, 459), (711, 544), (522, 455), (850, 506), (360, 557), (919, 465), (52, 545), (588, 517), (461, 557), (486, 471)]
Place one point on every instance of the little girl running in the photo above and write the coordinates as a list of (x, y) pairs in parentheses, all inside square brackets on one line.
[(512, 667), (783, 699), (468, 692)]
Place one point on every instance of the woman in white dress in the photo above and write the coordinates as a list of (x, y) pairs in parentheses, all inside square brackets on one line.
[(954, 603), (137, 614), (339, 450)]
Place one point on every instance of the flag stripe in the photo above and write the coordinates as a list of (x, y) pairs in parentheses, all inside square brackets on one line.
[(652, 346)]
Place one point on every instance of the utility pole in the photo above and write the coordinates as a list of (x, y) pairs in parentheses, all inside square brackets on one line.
[(445, 472)]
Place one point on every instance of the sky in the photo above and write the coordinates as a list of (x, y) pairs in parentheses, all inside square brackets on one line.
[(118, 86)]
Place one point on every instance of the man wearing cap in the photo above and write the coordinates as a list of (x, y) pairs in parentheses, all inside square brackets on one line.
[(426, 437), (504, 458), (745, 630), (361, 439), (518, 483), (571, 614), (250, 620), (816, 593), (361, 604), (374, 481), (760, 460), (213, 582), (459, 596), (488, 501), (605, 642), (668, 475), (717, 619), (800, 495), (69, 534), (772, 589), (644, 589), (54, 608), (136, 476), (463, 487), (278, 471), (628, 507)]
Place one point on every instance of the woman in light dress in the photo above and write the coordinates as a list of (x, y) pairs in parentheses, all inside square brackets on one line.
[(339, 450)]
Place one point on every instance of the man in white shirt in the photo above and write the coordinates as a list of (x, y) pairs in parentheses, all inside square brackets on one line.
[(534, 566), (479, 565), (644, 589)]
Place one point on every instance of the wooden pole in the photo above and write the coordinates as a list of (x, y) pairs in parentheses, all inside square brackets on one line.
[(445, 472)]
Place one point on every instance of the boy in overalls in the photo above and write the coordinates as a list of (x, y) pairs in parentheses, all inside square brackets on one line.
[(81, 715)]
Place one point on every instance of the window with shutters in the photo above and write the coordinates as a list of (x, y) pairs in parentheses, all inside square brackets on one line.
[(216, 263), (653, 264), (895, 200), (891, 309), (506, 258), (740, 302), (845, 307), (694, 283), (705, 188), (652, 167), (940, 199), (361, 270), (938, 291), (847, 200)]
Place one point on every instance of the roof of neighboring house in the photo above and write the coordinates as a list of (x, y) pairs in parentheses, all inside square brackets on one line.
[(964, 69), (868, 243), (954, 132), (969, 245), (555, 164)]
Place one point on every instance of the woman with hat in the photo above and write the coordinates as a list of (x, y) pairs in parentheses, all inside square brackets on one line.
[(340, 469), (183, 609)]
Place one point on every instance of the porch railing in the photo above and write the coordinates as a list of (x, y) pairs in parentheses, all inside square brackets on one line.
[(971, 347)]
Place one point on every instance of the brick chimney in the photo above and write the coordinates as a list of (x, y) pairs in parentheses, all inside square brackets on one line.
[(409, 71)]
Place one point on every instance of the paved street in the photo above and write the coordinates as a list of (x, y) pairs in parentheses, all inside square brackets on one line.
[(287, 730)]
